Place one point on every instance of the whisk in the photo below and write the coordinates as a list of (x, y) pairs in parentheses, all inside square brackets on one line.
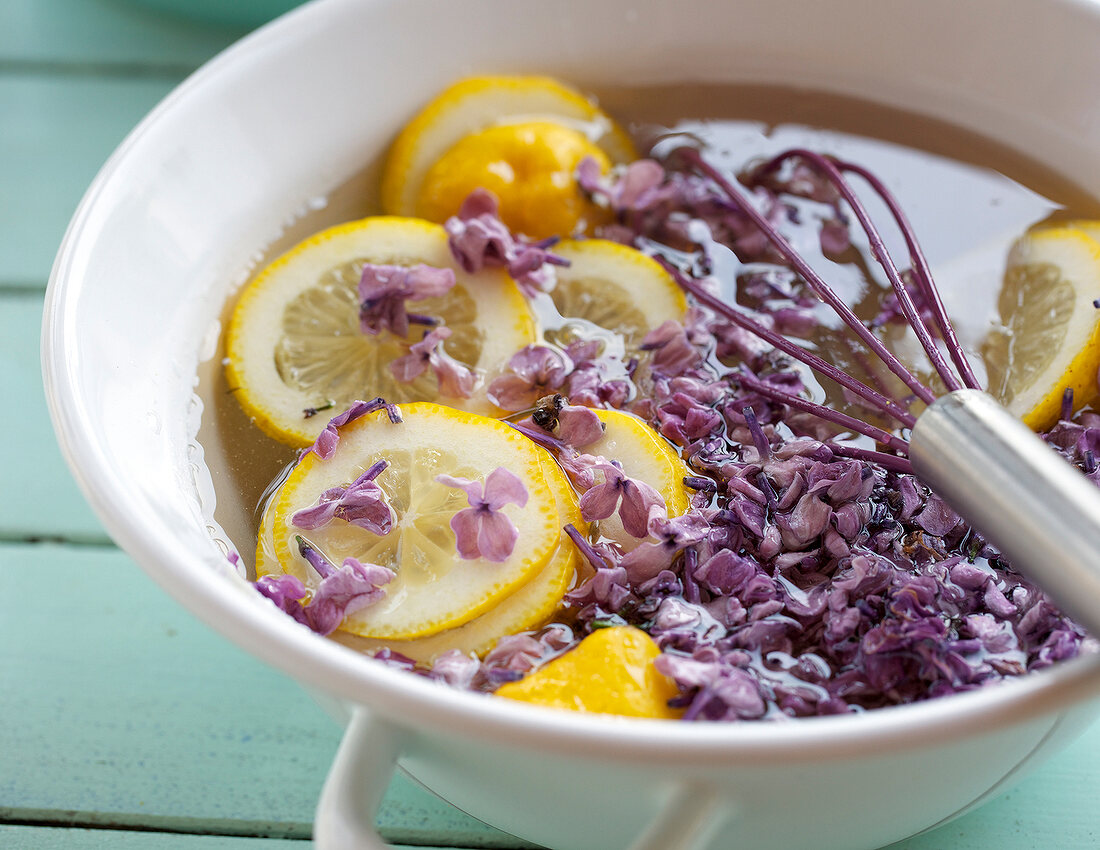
[(1023, 497)]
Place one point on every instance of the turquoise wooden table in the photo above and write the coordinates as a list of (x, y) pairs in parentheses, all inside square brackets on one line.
[(123, 721)]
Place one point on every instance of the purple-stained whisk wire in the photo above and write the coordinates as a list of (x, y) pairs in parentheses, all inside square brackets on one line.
[(833, 171)]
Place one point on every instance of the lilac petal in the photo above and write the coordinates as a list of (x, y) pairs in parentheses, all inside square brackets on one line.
[(470, 487), (937, 518), (321, 513), (646, 560), (496, 536), (511, 392), (466, 524), (456, 380), (455, 668), (673, 353), (285, 591), (424, 281), (579, 426), (599, 502), (414, 364), (503, 488), (639, 501), (639, 178)]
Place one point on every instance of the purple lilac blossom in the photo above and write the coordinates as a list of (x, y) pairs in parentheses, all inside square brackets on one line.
[(384, 289), (536, 370), (342, 590), (632, 499), (362, 503), (456, 380), (328, 439), (483, 530), (478, 238)]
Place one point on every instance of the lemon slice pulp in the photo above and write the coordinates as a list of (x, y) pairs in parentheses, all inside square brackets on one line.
[(614, 287), (529, 167), (528, 607), (434, 588), (1051, 337), (477, 104), (294, 342)]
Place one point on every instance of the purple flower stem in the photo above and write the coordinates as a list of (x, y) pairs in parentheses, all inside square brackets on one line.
[(687, 580), (924, 274), (816, 282), (763, 447), (314, 558), (585, 547), (886, 461), (374, 470), (873, 398), (422, 319), (850, 423), (1067, 404), (700, 483), (537, 435), (833, 174)]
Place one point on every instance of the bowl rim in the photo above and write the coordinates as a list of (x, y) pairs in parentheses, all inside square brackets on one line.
[(412, 701)]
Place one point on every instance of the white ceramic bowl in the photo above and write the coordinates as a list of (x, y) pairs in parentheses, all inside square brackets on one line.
[(289, 114)]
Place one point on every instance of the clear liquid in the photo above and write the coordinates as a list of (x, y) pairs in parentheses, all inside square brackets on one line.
[(967, 197)]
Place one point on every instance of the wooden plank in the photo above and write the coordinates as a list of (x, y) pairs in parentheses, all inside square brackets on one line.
[(48, 838), (55, 133), (122, 710), (125, 36), (128, 712), (38, 497)]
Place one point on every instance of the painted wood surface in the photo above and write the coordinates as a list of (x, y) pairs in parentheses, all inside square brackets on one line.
[(123, 721)]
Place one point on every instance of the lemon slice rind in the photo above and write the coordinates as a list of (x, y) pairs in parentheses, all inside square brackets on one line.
[(1070, 261), (477, 103)]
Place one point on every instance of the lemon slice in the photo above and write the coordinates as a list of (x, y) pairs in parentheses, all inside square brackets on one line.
[(529, 167), (1051, 340), (527, 608), (609, 672), (477, 104), (614, 287), (646, 456), (294, 342), (434, 588)]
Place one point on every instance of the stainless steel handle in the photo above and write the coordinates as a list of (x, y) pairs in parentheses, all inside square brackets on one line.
[(1039, 511)]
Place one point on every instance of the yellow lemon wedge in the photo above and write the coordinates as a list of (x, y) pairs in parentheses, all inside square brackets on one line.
[(526, 608), (294, 343), (472, 106), (646, 456), (529, 167), (1051, 336), (609, 672), (614, 287), (434, 588)]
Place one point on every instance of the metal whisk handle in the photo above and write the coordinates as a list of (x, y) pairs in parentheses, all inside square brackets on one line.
[(1036, 508)]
